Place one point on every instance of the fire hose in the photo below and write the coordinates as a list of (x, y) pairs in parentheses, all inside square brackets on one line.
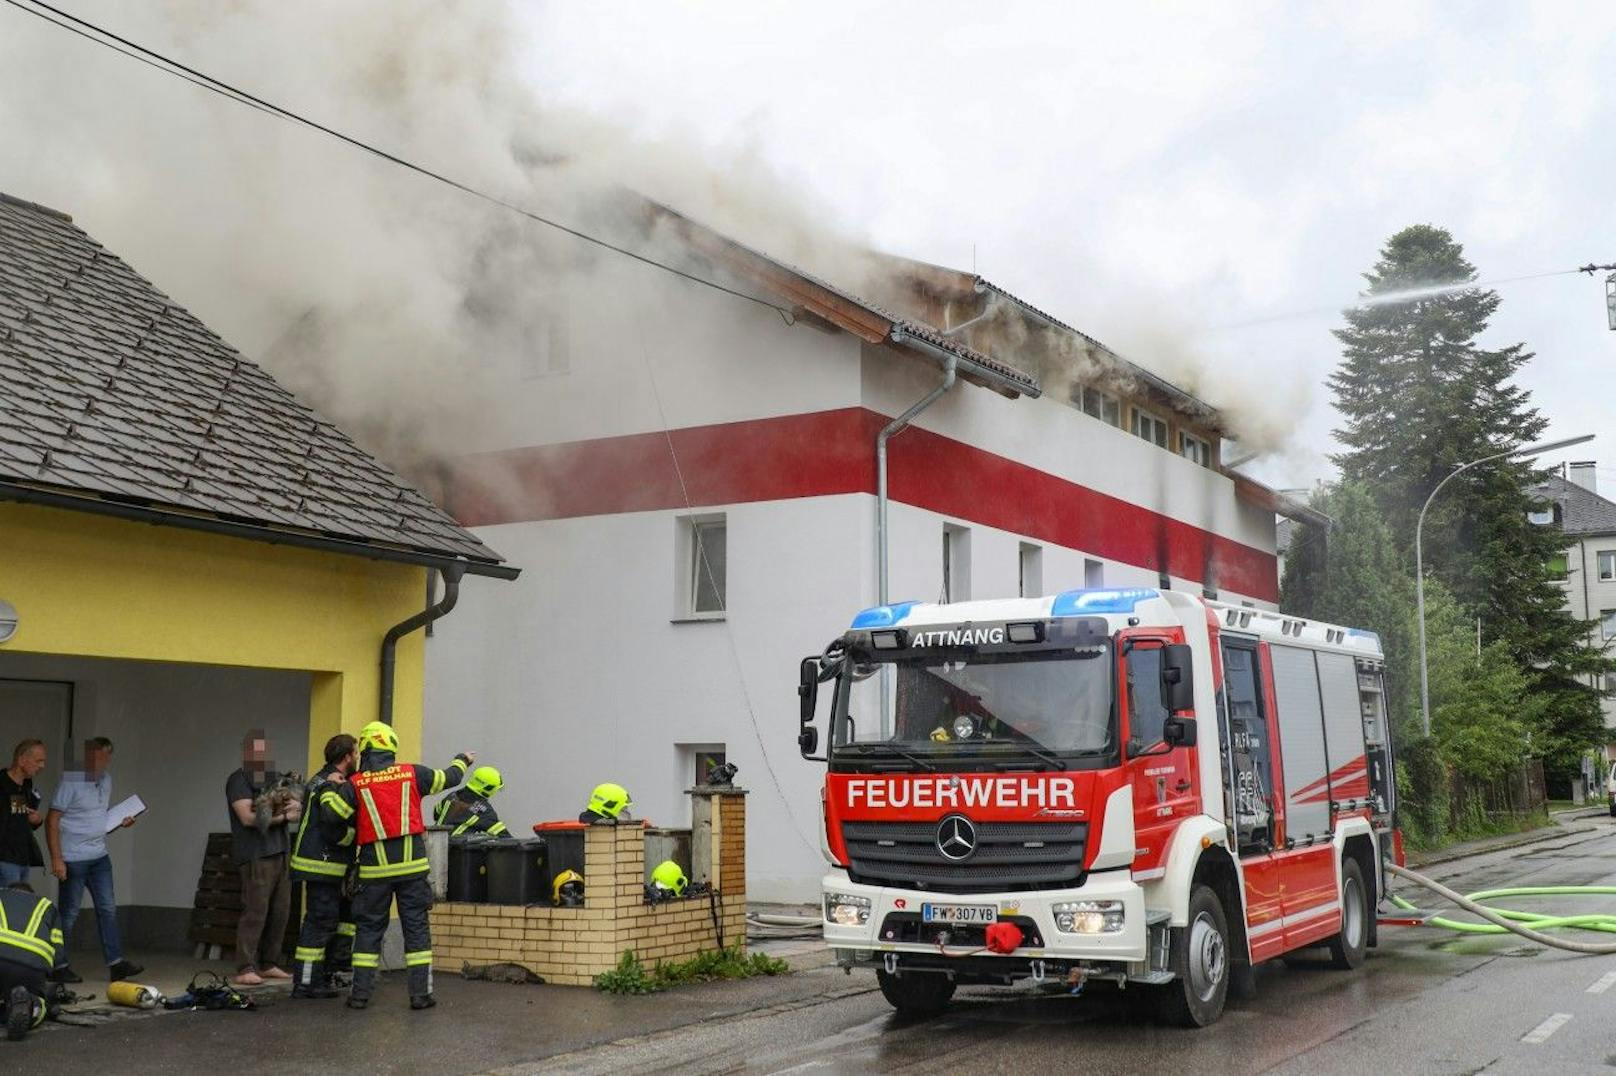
[(1529, 925)]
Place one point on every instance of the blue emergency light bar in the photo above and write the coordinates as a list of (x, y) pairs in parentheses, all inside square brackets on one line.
[(883, 616), (1080, 602)]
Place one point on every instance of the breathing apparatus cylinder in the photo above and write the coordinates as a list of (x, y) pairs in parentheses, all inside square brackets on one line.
[(133, 995)]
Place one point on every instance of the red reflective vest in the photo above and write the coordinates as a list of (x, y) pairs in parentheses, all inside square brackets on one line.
[(389, 803)]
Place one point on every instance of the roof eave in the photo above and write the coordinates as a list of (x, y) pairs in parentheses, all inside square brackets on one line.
[(274, 535)]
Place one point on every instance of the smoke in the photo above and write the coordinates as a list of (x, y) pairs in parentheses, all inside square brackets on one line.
[(400, 307)]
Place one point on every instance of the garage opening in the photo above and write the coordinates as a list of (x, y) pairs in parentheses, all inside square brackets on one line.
[(176, 731)]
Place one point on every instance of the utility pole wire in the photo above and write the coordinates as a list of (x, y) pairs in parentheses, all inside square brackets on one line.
[(160, 62)]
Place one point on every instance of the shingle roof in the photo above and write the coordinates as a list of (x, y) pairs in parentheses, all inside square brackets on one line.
[(1581, 511), (109, 388)]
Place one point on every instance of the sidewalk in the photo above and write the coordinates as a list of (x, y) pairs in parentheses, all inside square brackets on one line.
[(1563, 823)]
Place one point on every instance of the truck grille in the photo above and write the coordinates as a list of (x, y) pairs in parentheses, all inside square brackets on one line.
[(1009, 856)]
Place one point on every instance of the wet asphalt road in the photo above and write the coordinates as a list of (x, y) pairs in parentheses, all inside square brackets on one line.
[(1427, 1001)]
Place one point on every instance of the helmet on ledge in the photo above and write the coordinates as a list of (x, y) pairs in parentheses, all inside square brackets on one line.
[(668, 875), (485, 781), (568, 889), (608, 800)]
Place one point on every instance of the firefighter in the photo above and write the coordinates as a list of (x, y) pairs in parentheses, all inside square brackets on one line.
[(382, 803), (31, 948), (322, 853), (468, 810), (607, 803)]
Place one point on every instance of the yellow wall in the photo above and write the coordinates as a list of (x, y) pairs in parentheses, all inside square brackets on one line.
[(97, 587)]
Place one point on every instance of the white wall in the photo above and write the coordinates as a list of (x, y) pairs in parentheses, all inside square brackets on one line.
[(176, 732), (1588, 595)]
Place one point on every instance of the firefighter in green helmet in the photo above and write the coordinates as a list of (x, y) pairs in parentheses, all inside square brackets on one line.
[(468, 810)]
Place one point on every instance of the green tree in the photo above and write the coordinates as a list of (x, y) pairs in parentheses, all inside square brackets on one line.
[(1482, 713), (1353, 575), (1419, 395)]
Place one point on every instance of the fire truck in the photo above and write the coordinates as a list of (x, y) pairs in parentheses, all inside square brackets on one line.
[(1133, 785)]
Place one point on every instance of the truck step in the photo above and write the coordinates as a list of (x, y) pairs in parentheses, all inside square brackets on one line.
[(1390, 916)]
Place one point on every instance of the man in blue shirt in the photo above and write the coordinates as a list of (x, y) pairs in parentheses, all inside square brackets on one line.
[(75, 830)]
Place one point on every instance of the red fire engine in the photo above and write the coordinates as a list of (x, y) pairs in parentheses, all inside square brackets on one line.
[(1135, 785)]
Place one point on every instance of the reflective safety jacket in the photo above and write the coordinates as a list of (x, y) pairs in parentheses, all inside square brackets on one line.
[(30, 933), (468, 812), (324, 846), (381, 803)]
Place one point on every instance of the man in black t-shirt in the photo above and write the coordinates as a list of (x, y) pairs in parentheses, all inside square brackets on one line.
[(20, 813), (259, 843)]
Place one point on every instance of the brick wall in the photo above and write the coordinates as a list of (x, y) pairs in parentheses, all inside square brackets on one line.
[(571, 946)]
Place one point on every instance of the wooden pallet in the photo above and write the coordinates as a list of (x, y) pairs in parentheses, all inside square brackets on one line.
[(216, 908)]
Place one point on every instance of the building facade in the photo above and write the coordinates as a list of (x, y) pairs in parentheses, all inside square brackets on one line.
[(1572, 501), (696, 503)]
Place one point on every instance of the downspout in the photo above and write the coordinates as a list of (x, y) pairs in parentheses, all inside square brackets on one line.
[(896, 426), (451, 593)]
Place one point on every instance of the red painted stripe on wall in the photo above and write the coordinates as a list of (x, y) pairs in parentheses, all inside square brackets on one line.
[(831, 452)]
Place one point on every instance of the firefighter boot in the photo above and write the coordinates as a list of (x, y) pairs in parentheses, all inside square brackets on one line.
[(364, 983), (24, 1012)]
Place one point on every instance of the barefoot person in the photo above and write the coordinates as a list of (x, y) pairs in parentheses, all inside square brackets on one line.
[(259, 843)]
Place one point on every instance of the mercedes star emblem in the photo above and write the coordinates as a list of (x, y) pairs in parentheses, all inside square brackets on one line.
[(956, 837)]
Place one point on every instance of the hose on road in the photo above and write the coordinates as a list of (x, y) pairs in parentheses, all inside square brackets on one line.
[(1529, 925)]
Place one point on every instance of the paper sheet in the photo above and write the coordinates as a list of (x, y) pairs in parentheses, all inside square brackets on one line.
[(129, 808)]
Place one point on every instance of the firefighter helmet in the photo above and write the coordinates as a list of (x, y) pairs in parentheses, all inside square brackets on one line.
[(485, 781), (568, 889), (378, 736), (608, 800), (668, 875)]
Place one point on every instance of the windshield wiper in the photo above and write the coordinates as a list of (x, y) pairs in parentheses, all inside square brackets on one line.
[(1046, 756), (889, 749)]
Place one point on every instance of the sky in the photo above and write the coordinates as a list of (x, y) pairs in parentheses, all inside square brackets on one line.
[(1199, 186), (1154, 172)]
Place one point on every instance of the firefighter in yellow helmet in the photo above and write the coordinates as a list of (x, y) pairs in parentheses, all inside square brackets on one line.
[(468, 810), (607, 803), (381, 801), (567, 891), (669, 880)]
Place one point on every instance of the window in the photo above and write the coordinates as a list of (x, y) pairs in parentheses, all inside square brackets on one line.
[(1194, 449), (1032, 570), (956, 563), (1093, 573), (1541, 517), (1150, 427), (544, 351), (1103, 406), (1146, 714), (1557, 566), (702, 551), (1607, 622), (1607, 565)]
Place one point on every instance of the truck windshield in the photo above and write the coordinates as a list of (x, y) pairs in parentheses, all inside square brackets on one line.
[(945, 704)]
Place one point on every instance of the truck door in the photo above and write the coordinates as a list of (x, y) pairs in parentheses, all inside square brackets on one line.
[(1164, 784), (1309, 889), (1257, 805)]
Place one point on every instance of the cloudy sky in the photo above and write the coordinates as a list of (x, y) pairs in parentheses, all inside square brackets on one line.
[(1197, 185), (1152, 170)]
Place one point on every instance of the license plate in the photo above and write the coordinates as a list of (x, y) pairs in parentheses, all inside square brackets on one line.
[(959, 913)]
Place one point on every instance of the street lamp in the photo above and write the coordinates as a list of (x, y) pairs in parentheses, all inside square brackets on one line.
[(1419, 554)]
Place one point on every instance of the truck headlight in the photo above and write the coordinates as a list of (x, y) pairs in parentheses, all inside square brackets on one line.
[(846, 909), (1088, 916)]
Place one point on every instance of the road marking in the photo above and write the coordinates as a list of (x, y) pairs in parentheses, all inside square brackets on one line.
[(1546, 1028), (1605, 982)]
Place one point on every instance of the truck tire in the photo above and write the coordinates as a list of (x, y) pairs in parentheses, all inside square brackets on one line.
[(1200, 961), (1347, 948), (917, 993)]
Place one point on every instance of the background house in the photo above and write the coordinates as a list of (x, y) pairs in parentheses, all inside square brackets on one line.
[(186, 552)]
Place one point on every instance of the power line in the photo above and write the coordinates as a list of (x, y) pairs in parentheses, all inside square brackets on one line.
[(160, 62)]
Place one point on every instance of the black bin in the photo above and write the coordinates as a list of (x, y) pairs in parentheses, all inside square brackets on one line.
[(565, 852), (516, 872), (468, 869)]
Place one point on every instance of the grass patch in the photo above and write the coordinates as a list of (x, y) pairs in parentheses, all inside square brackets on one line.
[(631, 976)]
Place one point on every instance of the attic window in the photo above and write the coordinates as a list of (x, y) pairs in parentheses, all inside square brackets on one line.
[(1102, 405), (1542, 517), (1150, 427)]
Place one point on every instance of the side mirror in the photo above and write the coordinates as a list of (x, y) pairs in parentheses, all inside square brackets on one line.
[(1178, 732), (807, 689), (807, 740), (1177, 678)]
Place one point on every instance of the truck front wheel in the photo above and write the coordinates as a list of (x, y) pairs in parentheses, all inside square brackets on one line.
[(1200, 962), (917, 993)]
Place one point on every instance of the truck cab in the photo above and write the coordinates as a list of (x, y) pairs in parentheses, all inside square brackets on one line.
[(1129, 784)]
